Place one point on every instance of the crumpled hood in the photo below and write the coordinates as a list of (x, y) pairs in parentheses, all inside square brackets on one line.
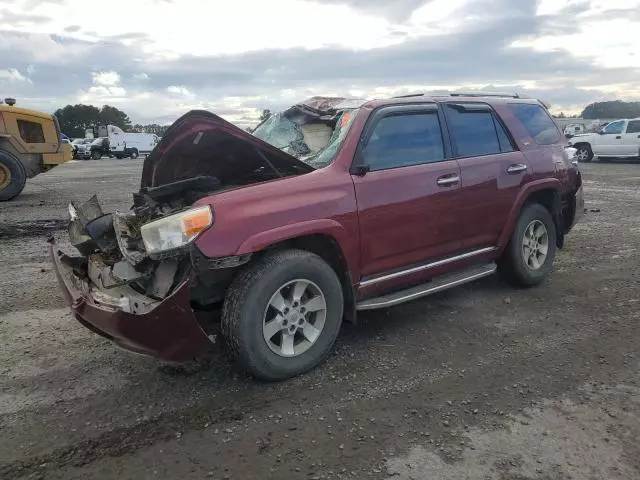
[(201, 143)]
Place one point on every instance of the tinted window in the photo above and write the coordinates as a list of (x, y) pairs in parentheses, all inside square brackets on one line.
[(614, 127), (31, 132), (537, 122), (634, 126), (505, 141), (402, 140), (476, 132)]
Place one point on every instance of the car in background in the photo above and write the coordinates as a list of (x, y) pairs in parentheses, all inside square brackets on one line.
[(330, 207), (617, 139), (81, 148), (99, 147), (574, 129)]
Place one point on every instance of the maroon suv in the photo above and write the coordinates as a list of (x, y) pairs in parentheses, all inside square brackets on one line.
[(330, 207)]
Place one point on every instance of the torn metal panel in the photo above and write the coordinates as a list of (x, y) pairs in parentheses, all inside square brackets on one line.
[(163, 279), (127, 228)]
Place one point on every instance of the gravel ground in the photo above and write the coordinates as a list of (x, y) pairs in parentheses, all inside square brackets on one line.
[(481, 382)]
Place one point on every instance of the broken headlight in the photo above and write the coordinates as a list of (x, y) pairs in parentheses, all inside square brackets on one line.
[(176, 231)]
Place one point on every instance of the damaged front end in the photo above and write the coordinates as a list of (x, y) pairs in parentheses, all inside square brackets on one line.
[(132, 288), (139, 275)]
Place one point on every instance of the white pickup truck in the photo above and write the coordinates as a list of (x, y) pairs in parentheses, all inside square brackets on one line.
[(620, 138)]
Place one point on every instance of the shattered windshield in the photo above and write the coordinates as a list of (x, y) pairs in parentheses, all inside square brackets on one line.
[(314, 140)]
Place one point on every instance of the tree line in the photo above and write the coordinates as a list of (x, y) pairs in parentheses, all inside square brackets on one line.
[(74, 120)]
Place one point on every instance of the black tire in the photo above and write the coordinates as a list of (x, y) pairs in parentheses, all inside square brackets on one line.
[(134, 154), (512, 266), (246, 304), (585, 150), (13, 176), (96, 155)]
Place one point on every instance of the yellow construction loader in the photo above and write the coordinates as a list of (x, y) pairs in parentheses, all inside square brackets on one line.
[(30, 143)]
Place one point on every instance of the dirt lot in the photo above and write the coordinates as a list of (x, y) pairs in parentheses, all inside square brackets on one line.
[(481, 382)]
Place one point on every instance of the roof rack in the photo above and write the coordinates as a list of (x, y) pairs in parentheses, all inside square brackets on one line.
[(485, 94), (409, 95)]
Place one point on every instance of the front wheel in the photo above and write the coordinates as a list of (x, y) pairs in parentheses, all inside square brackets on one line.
[(134, 154), (282, 315), (584, 153), (528, 258), (96, 155)]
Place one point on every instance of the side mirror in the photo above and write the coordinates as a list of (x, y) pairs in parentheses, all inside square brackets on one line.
[(601, 132)]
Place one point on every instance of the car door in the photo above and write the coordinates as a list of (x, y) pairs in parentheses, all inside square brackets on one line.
[(406, 188), (631, 139), (609, 142), (492, 171)]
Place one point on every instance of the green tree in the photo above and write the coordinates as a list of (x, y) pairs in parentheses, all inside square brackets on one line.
[(112, 116), (74, 120), (614, 109)]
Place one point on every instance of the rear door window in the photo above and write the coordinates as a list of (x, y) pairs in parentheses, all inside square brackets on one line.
[(633, 126), (537, 122), (476, 131), (401, 140)]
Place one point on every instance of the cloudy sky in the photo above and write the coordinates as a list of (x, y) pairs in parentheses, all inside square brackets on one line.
[(156, 59)]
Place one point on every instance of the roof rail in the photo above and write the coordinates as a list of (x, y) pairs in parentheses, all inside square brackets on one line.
[(409, 95), (485, 94)]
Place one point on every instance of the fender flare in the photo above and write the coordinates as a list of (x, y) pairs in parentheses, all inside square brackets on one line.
[(264, 239), (523, 194)]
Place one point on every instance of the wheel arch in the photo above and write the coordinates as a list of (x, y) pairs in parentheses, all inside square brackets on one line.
[(546, 192), (327, 247)]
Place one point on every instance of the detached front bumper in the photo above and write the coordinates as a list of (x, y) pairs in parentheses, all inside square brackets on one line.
[(164, 329)]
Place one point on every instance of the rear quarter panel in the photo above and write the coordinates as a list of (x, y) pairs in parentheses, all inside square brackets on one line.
[(547, 169)]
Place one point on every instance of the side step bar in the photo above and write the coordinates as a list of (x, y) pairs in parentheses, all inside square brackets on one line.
[(437, 284)]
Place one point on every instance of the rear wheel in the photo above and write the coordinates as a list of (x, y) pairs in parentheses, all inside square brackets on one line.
[(528, 259), (134, 154), (282, 315), (12, 176), (96, 155)]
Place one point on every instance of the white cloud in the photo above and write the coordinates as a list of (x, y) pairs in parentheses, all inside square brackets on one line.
[(13, 75), (179, 90), (257, 56), (106, 79)]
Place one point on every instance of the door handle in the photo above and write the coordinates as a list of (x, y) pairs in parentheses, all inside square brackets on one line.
[(446, 181), (618, 137), (516, 168)]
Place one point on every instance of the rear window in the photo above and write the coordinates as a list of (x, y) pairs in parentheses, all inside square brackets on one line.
[(476, 132), (537, 122), (30, 132)]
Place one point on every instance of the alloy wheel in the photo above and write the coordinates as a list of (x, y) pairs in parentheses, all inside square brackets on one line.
[(535, 244), (294, 318)]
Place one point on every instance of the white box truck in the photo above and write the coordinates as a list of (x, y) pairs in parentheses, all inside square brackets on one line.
[(123, 144)]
